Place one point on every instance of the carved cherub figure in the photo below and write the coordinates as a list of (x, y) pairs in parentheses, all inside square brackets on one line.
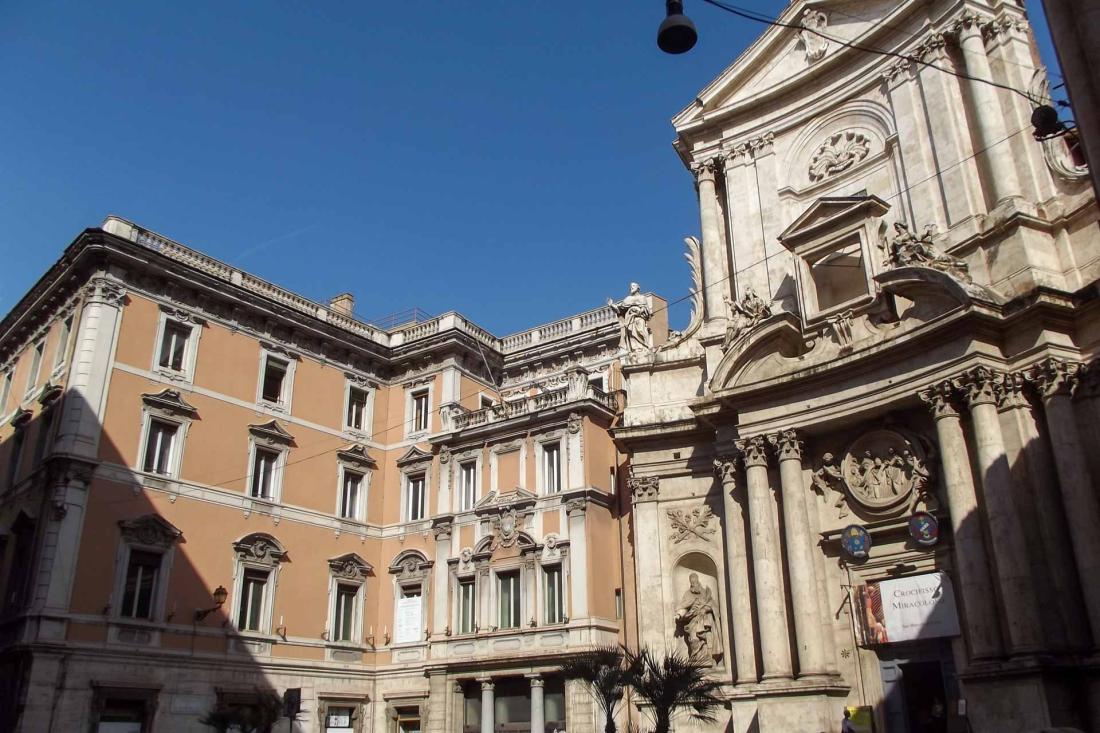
[(828, 477)]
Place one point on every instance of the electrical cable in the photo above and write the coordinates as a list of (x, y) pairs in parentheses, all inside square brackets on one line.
[(690, 295), (758, 18)]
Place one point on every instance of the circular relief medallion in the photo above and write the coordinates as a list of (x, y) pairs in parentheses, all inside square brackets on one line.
[(924, 529), (882, 468), (856, 541)]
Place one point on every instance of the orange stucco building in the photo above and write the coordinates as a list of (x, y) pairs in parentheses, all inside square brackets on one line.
[(215, 488)]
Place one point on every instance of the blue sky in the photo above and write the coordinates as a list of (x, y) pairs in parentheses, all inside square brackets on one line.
[(508, 159)]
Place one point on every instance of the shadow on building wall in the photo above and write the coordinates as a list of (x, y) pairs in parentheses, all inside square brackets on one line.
[(106, 622)]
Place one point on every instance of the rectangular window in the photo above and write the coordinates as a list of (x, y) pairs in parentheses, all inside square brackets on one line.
[(338, 719), (343, 622), (508, 593), (618, 603), (467, 485), (274, 386), (466, 602), (251, 606), (158, 447), (141, 584), (486, 401), (264, 466), (15, 459), (420, 411), (5, 392), (555, 604), (551, 468), (349, 495), (598, 382), (173, 345), (36, 365), (357, 408), (121, 716), (63, 342), (415, 504)]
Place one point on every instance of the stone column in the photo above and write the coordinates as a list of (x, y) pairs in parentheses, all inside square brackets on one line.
[(971, 563), (578, 559), (485, 613), (1023, 630), (1056, 379), (1063, 617), (988, 114), (800, 554), (737, 571), (531, 594), (488, 705), (538, 711), (715, 272), (767, 561), (648, 564)]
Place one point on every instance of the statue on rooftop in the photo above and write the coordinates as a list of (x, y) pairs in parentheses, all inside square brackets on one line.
[(634, 314)]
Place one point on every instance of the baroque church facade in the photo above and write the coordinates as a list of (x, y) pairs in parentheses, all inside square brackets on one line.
[(861, 478)]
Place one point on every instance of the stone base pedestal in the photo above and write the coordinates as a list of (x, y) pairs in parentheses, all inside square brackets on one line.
[(790, 706), (1024, 695)]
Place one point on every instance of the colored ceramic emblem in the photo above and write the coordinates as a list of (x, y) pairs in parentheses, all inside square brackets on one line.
[(924, 529), (856, 541)]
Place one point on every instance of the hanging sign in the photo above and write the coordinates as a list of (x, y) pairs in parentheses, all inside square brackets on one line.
[(907, 609), (406, 625)]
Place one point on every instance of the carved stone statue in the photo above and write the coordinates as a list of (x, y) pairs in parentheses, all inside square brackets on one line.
[(697, 621), (906, 249), (634, 314), (829, 477), (884, 470), (744, 315), (813, 22)]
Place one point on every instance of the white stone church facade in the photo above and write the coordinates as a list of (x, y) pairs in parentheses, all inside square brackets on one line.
[(876, 443)]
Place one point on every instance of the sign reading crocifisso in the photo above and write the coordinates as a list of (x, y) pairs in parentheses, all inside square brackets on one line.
[(906, 609)]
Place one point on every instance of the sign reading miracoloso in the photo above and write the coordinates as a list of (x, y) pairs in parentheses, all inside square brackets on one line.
[(907, 609)]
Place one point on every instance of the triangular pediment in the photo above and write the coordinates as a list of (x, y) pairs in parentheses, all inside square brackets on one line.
[(271, 431), (357, 455), (170, 401), (508, 498), (414, 455), (782, 58), (149, 529), (831, 213)]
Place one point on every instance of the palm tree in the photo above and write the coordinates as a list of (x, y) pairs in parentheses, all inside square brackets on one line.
[(673, 682), (601, 671)]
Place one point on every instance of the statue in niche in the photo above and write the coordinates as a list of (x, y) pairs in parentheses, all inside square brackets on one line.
[(634, 314), (697, 621), (744, 315), (906, 249)]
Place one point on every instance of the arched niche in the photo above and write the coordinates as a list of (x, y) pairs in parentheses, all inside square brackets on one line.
[(709, 589)]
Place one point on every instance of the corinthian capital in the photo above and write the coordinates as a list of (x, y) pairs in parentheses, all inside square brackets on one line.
[(933, 47), (707, 169), (979, 385), (725, 468), (106, 291), (753, 450), (969, 23), (643, 488), (940, 399), (1055, 377), (1011, 391), (786, 444)]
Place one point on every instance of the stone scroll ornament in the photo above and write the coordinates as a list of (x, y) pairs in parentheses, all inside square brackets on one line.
[(839, 153), (886, 472)]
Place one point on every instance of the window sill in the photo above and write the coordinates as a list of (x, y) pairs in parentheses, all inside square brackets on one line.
[(172, 374), (279, 407)]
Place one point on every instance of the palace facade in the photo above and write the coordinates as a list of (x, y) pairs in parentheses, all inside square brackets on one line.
[(861, 478)]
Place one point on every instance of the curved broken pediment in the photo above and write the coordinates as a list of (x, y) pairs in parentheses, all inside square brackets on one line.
[(935, 289), (778, 340)]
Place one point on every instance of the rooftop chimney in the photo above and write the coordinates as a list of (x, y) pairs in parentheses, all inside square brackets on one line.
[(342, 304)]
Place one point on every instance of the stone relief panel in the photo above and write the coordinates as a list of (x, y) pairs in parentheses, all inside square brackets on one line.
[(885, 470), (838, 153), (695, 523), (698, 616)]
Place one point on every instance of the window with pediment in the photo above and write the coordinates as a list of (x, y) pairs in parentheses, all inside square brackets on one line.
[(144, 560), (834, 244), (410, 571), (347, 580), (269, 444), (259, 556), (166, 417)]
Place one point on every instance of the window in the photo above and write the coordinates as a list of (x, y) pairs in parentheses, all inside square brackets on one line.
[(275, 380), (508, 594), (487, 401), (420, 411), (349, 495), (63, 342), (343, 622), (339, 719), (250, 611), (618, 603), (265, 465), (466, 602), (467, 485), (173, 346), (15, 458), (551, 468), (158, 447), (36, 365), (599, 382), (838, 276), (415, 504), (139, 592), (555, 604), (357, 408), (5, 392)]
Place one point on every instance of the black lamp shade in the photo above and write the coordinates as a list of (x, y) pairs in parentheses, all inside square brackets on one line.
[(677, 33)]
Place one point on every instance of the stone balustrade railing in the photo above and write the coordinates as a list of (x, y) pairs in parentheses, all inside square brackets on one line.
[(507, 345), (530, 404)]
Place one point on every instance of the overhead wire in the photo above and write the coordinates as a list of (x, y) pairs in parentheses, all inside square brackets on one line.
[(690, 295), (760, 18)]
